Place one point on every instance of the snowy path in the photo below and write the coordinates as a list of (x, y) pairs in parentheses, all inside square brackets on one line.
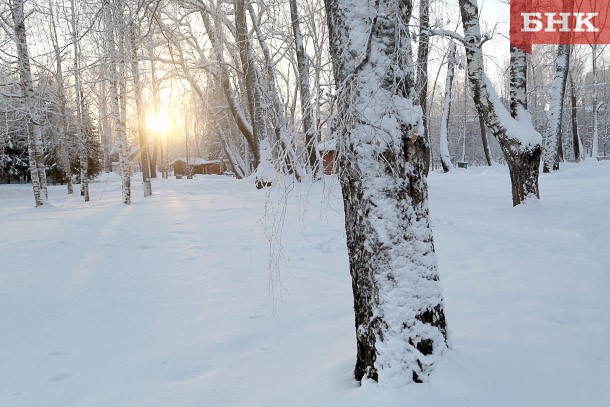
[(167, 302)]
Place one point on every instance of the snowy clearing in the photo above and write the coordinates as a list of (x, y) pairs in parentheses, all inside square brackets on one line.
[(168, 301)]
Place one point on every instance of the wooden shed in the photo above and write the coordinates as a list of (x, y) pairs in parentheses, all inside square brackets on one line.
[(197, 165), (327, 152)]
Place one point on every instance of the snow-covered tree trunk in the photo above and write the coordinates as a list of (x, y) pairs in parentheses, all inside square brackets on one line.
[(444, 140), (423, 52), (141, 120), (114, 77), (399, 317), (306, 108), (520, 142), (552, 143), (265, 170), (35, 146), (575, 137)]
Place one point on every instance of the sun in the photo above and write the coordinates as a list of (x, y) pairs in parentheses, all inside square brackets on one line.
[(158, 123)]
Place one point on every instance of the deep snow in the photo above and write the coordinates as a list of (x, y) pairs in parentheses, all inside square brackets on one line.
[(168, 301)]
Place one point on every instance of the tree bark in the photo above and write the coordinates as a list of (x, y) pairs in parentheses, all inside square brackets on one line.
[(399, 317), (423, 52), (35, 146), (485, 140), (596, 105), (444, 139), (116, 79), (575, 137), (552, 144)]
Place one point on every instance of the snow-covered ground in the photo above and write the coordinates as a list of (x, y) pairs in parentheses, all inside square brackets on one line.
[(170, 301)]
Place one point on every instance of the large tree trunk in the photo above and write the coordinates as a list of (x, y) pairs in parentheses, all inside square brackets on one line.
[(35, 146), (399, 317), (552, 144), (520, 142), (444, 140)]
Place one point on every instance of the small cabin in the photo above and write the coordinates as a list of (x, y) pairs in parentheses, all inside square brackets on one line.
[(197, 165), (327, 153)]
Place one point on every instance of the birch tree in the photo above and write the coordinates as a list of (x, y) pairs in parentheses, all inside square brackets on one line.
[(520, 142), (596, 105), (552, 144), (116, 80), (399, 316), (444, 141), (31, 113)]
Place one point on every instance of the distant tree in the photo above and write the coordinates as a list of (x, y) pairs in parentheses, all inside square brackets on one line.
[(552, 144), (445, 157)]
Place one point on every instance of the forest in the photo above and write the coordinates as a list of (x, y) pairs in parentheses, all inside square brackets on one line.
[(188, 150)]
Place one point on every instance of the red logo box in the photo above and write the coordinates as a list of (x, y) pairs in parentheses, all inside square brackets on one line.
[(559, 22)]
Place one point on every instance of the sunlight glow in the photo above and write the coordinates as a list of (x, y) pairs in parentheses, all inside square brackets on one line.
[(158, 123)]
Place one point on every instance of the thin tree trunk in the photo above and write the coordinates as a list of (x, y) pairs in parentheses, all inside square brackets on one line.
[(575, 137), (279, 112), (135, 74), (264, 171), (155, 96), (423, 52), (116, 76), (484, 139), (81, 136), (64, 150), (35, 146), (399, 317), (596, 106), (244, 126), (552, 143), (444, 139), (306, 107)]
